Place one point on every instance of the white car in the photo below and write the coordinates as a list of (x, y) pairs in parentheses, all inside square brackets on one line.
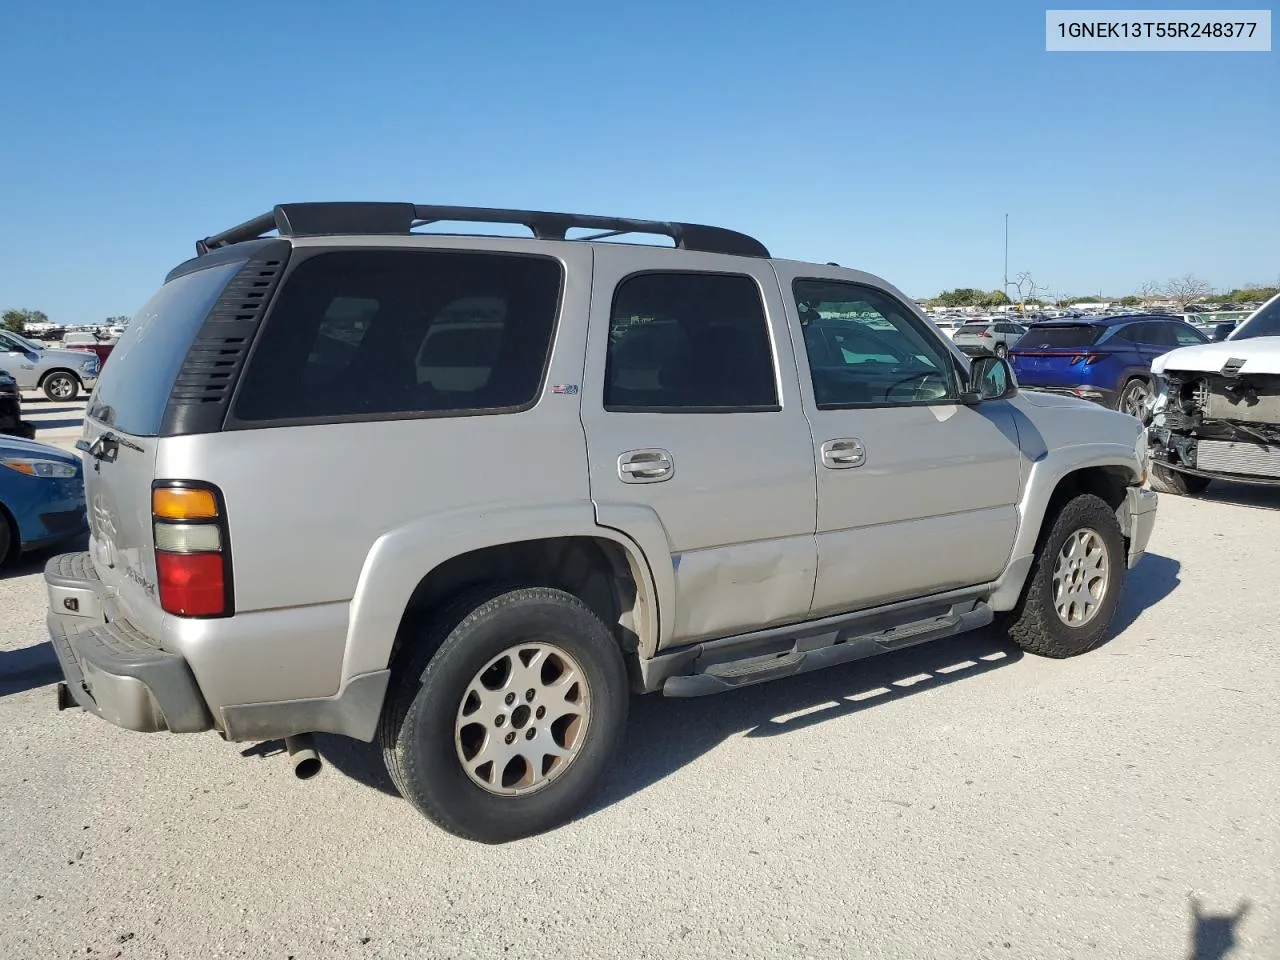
[(1216, 412)]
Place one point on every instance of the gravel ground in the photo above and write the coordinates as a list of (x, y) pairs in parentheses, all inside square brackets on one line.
[(956, 800)]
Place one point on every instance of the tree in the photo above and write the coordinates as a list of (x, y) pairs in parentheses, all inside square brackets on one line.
[(117, 321), (17, 321), (993, 298), (1186, 289), (1026, 286), (1150, 290), (1129, 301)]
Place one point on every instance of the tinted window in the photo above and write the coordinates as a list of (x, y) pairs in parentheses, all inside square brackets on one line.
[(866, 349), (1185, 335), (1060, 335), (1151, 333), (972, 329), (378, 332), (1264, 323), (688, 341), (133, 390)]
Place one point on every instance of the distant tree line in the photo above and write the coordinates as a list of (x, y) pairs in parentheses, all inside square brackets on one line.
[(1183, 291), (18, 319)]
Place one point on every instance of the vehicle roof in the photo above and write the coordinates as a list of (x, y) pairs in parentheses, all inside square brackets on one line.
[(1108, 319)]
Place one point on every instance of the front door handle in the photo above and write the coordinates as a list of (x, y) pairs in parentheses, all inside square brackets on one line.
[(843, 453), (646, 466)]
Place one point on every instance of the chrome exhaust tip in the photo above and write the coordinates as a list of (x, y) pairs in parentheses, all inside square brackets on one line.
[(302, 754)]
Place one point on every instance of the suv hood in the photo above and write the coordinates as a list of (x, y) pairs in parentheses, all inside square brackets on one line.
[(1260, 355), (70, 356)]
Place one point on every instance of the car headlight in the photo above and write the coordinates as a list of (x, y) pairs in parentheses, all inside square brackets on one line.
[(39, 468)]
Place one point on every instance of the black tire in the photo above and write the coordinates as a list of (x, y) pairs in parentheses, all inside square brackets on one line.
[(1165, 480), (61, 387), (1134, 396), (1034, 624), (417, 730), (8, 537), (1001, 351)]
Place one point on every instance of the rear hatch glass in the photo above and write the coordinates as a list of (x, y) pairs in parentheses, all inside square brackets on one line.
[(972, 329), (1044, 336), (129, 404), (134, 387)]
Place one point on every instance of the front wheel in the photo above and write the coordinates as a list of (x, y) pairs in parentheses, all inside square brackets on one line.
[(507, 727), (61, 387), (1165, 480), (1075, 583)]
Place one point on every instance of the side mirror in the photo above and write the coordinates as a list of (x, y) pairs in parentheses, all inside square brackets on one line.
[(1222, 331), (990, 378)]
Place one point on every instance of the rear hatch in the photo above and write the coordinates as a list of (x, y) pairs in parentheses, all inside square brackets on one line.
[(1047, 353), (122, 427)]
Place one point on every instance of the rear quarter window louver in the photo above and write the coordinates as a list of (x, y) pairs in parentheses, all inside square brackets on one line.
[(203, 387)]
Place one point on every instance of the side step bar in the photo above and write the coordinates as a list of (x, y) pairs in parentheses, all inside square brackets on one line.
[(755, 658)]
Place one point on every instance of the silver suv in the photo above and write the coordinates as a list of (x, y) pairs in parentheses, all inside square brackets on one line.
[(464, 494), (995, 337), (61, 374)]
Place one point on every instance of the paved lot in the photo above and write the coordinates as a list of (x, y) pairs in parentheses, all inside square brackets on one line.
[(56, 423), (958, 800)]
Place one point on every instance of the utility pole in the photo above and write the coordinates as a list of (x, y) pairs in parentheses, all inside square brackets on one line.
[(1006, 256)]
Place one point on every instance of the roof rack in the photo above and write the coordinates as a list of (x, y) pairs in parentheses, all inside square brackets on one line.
[(337, 219)]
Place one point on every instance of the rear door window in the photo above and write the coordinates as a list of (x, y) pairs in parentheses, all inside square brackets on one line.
[(371, 333), (134, 386), (681, 342)]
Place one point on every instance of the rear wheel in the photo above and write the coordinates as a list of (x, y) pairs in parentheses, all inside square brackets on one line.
[(1075, 583), (1166, 480), (8, 537), (503, 720), (1134, 399), (60, 386)]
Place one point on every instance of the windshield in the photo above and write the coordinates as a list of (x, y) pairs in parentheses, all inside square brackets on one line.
[(1061, 335), (26, 344), (1264, 323)]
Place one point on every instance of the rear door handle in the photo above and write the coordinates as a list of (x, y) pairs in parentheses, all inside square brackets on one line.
[(843, 453), (646, 466)]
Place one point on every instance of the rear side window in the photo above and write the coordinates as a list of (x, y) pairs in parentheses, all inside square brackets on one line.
[(687, 342), (134, 387), (382, 333), (1064, 335)]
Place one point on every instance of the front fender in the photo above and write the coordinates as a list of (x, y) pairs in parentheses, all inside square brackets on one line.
[(1046, 472), (399, 560)]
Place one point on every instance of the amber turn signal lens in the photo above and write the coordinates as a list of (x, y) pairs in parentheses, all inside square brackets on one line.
[(181, 503)]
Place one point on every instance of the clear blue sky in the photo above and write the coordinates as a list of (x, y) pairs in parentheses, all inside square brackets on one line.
[(879, 136)]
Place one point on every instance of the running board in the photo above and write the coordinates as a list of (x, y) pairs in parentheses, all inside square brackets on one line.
[(727, 666)]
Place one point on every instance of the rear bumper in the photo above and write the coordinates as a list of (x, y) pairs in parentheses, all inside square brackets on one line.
[(123, 675), (111, 668)]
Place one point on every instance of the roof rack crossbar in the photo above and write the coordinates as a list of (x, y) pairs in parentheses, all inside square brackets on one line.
[(335, 219)]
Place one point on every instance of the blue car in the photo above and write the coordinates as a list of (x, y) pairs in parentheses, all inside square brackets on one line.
[(41, 496), (1103, 359)]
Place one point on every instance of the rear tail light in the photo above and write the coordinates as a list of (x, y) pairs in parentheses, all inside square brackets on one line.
[(985, 334), (193, 557), (1088, 359)]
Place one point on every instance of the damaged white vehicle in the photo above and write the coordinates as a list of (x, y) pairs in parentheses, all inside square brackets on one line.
[(1216, 410)]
